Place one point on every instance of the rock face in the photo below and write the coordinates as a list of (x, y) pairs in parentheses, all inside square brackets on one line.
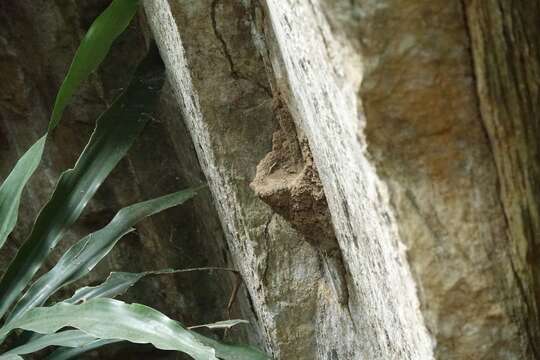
[(390, 102), (300, 312), (506, 52), (373, 166)]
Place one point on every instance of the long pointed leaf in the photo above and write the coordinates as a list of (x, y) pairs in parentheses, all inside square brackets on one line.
[(91, 52), (12, 357), (66, 270), (225, 324), (67, 353), (11, 189), (93, 49), (223, 351), (115, 132), (69, 338), (231, 352), (116, 284), (83, 256), (119, 282), (113, 319)]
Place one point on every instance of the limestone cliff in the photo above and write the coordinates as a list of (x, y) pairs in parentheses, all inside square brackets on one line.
[(373, 165)]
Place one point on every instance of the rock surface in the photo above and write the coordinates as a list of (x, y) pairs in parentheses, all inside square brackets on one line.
[(379, 307), (386, 95), (373, 166), (506, 53), (428, 141)]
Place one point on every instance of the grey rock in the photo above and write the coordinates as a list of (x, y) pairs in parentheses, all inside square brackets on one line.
[(391, 213)]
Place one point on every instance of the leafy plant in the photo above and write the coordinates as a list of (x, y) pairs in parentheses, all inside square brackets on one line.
[(93, 317)]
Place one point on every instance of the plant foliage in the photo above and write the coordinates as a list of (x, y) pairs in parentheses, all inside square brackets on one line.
[(95, 319)]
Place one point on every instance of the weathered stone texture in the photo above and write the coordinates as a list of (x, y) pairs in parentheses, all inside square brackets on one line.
[(506, 52), (385, 94), (216, 118), (374, 165), (427, 141), (221, 85), (324, 107)]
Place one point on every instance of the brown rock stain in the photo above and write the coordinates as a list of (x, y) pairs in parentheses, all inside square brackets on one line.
[(288, 181)]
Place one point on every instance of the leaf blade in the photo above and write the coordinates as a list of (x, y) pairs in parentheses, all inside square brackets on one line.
[(116, 284), (225, 324), (113, 319), (68, 338), (92, 51), (232, 352), (12, 187), (116, 130), (84, 255), (70, 353), (12, 357)]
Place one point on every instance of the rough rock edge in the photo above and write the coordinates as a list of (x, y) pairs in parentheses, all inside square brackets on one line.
[(383, 303)]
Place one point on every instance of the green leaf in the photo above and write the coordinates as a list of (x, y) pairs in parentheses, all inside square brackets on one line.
[(11, 189), (115, 132), (116, 284), (225, 324), (84, 255), (232, 352), (69, 338), (67, 353), (92, 51), (12, 357), (236, 352), (113, 319), (223, 351), (119, 282)]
